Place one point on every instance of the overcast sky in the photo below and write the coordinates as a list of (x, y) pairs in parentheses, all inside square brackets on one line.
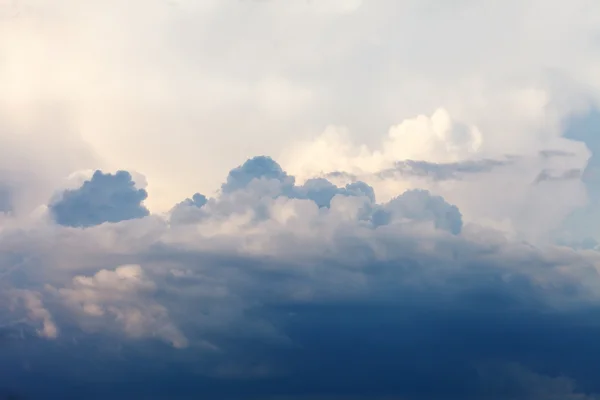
[(292, 199)]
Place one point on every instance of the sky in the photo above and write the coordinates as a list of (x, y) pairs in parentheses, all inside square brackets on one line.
[(300, 199)]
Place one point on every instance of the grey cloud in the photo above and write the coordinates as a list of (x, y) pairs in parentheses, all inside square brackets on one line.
[(387, 312), (420, 205), (555, 153), (425, 325), (443, 171), (197, 200), (550, 176), (260, 167), (260, 177), (582, 225), (585, 127), (104, 198), (321, 191), (189, 210), (360, 189), (5, 198), (317, 304), (341, 174)]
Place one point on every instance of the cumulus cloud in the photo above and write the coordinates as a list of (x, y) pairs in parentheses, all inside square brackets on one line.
[(428, 231), (435, 138), (121, 295), (189, 209), (274, 284), (103, 198), (34, 307), (256, 168), (489, 187), (420, 205)]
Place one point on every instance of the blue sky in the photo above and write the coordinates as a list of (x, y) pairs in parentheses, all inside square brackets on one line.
[(313, 200)]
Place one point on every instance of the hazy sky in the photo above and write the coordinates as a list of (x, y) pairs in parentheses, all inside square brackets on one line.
[(300, 199), (182, 90)]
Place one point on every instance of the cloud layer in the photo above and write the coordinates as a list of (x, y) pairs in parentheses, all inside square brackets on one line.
[(277, 289), (189, 87), (421, 221)]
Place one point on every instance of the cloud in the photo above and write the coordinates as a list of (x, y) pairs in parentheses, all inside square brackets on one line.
[(546, 175), (555, 153), (277, 289), (172, 71), (189, 209), (197, 200), (490, 188), (249, 186), (321, 191), (435, 138), (255, 168), (441, 171), (420, 205), (428, 231), (5, 199), (34, 307), (121, 296), (103, 198), (580, 226)]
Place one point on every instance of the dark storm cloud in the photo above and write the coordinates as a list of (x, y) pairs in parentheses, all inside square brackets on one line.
[(328, 304), (430, 327), (103, 198)]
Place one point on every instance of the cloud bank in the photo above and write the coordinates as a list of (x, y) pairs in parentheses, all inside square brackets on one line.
[(340, 200), (273, 289)]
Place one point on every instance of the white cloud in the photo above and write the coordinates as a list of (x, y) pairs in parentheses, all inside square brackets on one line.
[(155, 86), (32, 301), (436, 138), (121, 296)]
